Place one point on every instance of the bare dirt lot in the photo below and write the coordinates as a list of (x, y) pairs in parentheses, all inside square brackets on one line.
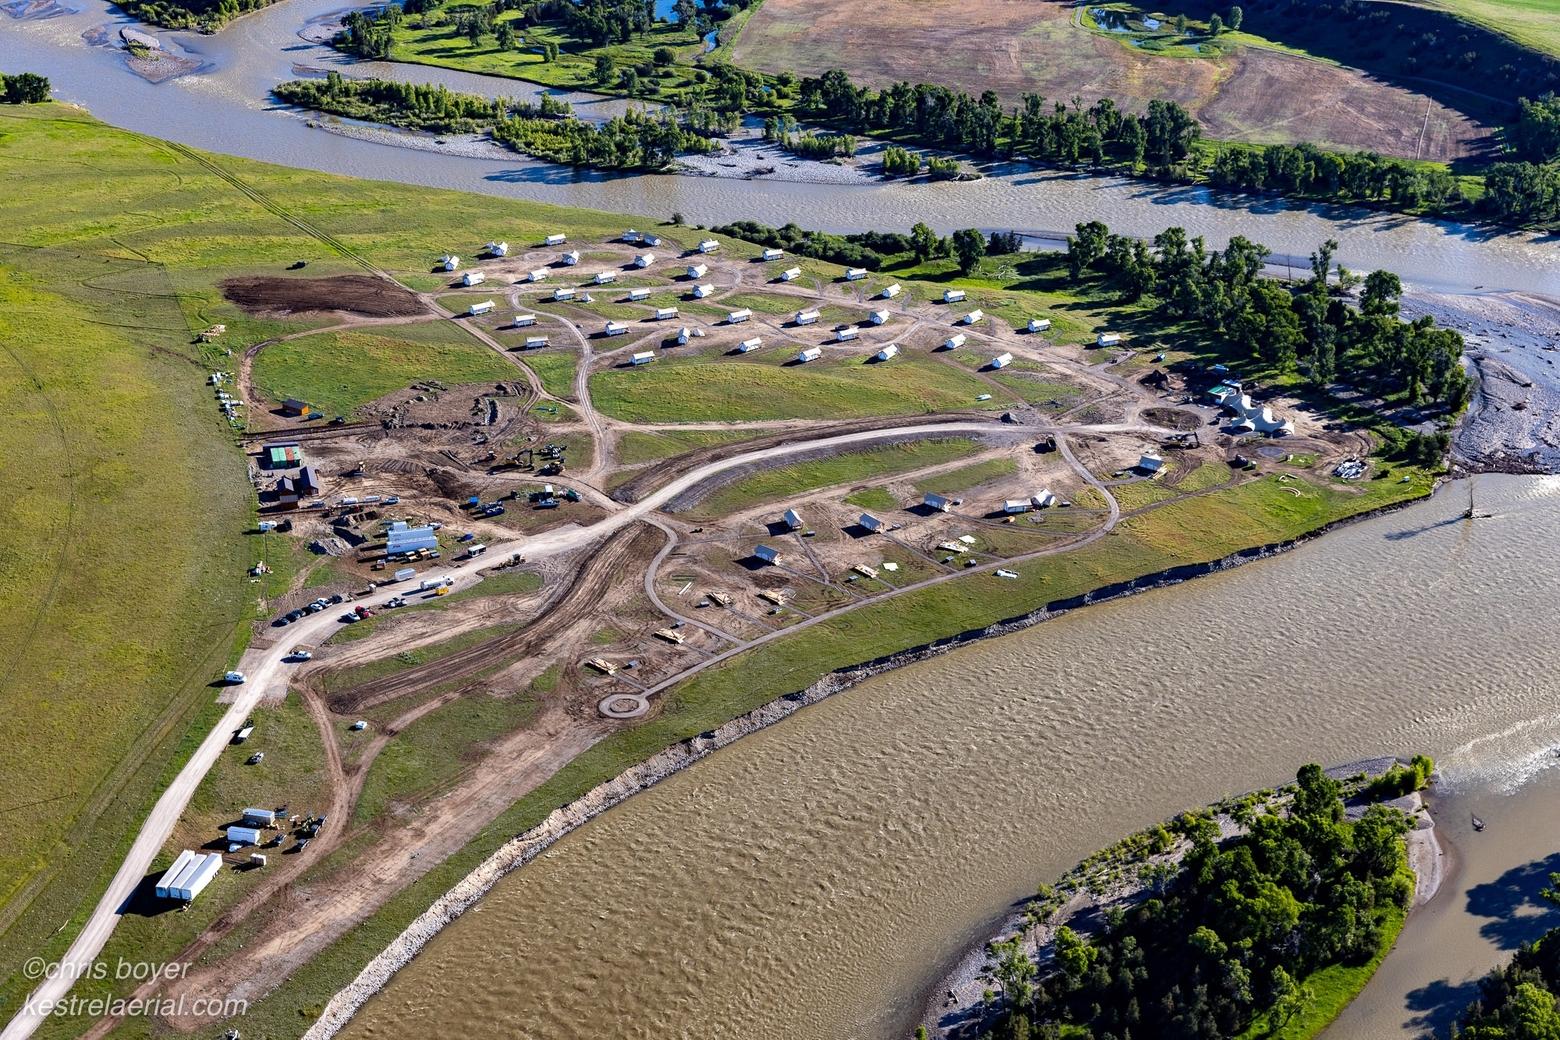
[(354, 293), (1014, 47)]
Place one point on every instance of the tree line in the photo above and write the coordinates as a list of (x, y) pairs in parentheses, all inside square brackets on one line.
[(23, 88), (1230, 934), (1517, 1001), (545, 130), (1313, 328)]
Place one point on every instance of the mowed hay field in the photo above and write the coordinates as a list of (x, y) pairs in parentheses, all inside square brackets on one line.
[(1018, 46), (1535, 23)]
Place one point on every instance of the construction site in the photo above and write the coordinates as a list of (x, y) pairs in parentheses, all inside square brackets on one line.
[(678, 450)]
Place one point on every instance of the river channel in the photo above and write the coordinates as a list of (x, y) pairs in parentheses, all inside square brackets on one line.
[(225, 108), (813, 880)]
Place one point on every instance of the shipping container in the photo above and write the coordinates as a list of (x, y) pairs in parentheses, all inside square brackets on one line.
[(405, 573), (180, 862)]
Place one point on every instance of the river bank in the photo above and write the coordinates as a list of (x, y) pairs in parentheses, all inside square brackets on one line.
[(956, 1008), (561, 822)]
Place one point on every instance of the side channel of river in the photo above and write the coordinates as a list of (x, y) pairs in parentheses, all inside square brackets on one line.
[(814, 879), (225, 108)]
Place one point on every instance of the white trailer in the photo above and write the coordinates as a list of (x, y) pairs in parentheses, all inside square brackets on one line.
[(243, 835), (259, 817), (1108, 339), (170, 875), (201, 875)]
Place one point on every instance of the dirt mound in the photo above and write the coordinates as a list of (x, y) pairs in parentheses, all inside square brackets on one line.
[(1174, 418), (355, 293)]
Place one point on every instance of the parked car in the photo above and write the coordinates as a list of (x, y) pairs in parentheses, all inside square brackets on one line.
[(256, 758), (300, 654)]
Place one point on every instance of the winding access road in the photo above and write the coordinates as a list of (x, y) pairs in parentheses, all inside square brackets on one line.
[(267, 671)]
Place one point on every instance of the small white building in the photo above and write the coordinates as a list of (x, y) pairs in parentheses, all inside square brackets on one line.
[(792, 520), (767, 554), (644, 357), (709, 245), (615, 328), (954, 342), (538, 275), (748, 345), (632, 236), (855, 274), (807, 317), (258, 817), (563, 293), (738, 317), (497, 248), (636, 295), (696, 271), (773, 254), (449, 263), (972, 317), (1108, 339), (484, 307), (846, 334), (870, 522), (888, 352), (1015, 505), (879, 317), (684, 336), (703, 290), (644, 260), (937, 502), (555, 240), (1039, 324), (790, 274), (571, 258), (648, 239), (471, 278), (1002, 360), (891, 292), (1044, 500), (535, 342), (953, 296), (606, 277), (665, 313), (1151, 462), (810, 354)]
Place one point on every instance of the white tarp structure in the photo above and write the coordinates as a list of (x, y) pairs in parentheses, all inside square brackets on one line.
[(1249, 415)]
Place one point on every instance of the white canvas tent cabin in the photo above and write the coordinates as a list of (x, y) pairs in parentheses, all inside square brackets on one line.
[(806, 317), (449, 263), (606, 277), (644, 357), (484, 307), (870, 522), (701, 291), (738, 317), (709, 245), (1002, 361), (792, 520), (571, 258), (1039, 324), (810, 354), (749, 345), (937, 502), (845, 335), (953, 296), (790, 274), (1150, 463), (555, 240), (767, 554), (644, 260), (891, 292), (614, 328), (563, 293), (888, 352), (954, 342), (879, 317), (1108, 339), (496, 249), (538, 275), (665, 313), (773, 254), (696, 271), (855, 274), (636, 295), (972, 317), (471, 278)]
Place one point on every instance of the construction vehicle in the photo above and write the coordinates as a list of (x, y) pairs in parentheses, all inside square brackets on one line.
[(571, 495)]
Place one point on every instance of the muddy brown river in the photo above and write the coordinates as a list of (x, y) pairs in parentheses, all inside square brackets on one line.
[(815, 879)]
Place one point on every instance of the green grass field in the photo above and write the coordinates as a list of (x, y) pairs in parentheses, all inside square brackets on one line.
[(340, 372), (1534, 23), (636, 446), (556, 371), (726, 390), (774, 484), (966, 477)]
